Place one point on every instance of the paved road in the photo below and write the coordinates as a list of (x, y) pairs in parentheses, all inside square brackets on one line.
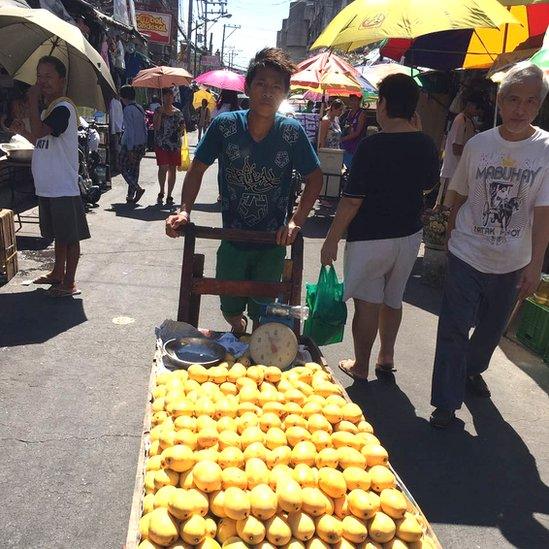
[(73, 389)]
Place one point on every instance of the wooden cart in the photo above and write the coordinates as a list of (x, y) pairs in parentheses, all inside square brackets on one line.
[(193, 286)]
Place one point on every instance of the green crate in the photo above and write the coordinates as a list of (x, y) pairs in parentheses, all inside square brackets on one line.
[(533, 330)]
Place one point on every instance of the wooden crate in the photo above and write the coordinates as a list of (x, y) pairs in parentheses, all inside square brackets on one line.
[(8, 247), (133, 536)]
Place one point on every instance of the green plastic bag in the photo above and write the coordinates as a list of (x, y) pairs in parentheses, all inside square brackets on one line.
[(327, 310)]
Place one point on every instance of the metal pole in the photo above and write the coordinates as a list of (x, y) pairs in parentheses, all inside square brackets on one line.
[(189, 34), (211, 43), (206, 24), (223, 44)]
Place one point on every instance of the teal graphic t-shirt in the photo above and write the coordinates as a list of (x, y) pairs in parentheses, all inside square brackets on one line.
[(255, 177)]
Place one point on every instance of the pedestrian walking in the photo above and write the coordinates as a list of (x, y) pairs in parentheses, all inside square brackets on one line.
[(227, 102), (133, 143), (353, 125), (462, 129), (499, 232), (380, 211), (204, 116), (55, 172), (256, 151), (330, 131), (169, 126)]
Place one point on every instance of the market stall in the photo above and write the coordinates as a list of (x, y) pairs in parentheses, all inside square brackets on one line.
[(255, 443)]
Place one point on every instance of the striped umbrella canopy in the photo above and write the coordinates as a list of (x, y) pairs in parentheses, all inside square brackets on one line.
[(472, 48), (327, 71)]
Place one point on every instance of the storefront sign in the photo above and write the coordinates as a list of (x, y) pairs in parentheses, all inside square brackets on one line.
[(156, 26), (211, 61)]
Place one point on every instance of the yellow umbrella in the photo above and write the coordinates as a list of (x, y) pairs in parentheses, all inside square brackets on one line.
[(365, 21), (199, 95), (28, 34)]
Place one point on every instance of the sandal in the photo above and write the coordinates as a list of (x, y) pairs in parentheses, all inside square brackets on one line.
[(349, 371), (170, 201), (45, 279), (385, 372), (62, 292), (160, 198)]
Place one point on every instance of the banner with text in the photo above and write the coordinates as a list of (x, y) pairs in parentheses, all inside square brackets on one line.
[(156, 26)]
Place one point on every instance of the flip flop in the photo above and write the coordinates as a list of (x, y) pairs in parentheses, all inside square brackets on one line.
[(44, 279), (350, 373), (385, 372), (60, 292)]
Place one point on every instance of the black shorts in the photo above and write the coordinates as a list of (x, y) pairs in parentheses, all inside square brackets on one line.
[(63, 219)]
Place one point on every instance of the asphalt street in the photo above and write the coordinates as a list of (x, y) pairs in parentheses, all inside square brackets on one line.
[(73, 384)]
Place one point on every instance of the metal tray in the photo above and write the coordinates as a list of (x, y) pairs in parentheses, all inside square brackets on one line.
[(181, 353)]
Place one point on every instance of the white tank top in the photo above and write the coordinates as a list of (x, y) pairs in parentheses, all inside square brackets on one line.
[(55, 159)]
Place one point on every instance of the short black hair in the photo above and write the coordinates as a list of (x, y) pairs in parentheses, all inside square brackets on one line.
[(127, 92), (56, 63), (166, 91), (272, 58), (401, 94)]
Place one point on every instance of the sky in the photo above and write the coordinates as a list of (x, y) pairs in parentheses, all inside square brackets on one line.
[(259, 21)]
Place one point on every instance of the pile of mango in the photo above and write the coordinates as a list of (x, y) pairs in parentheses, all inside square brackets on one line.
[(255, 457)]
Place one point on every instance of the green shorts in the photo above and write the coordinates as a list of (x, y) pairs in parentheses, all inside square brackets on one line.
[(234, 263)]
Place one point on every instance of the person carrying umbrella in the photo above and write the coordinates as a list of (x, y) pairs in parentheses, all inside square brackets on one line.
[(257, 151), (169, 126), (54, 133)]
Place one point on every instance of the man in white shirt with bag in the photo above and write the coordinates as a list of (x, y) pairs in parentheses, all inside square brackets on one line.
[(498, 233), (55, 172)]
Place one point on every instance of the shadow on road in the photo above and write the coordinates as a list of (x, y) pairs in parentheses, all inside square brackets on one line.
[(148, 213), (488, 480), (34, 243), (422, 295), (208, 208), (533, 367), (317, 226), (34, 317)]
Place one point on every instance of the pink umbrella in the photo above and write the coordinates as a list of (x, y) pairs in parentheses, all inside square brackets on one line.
[(162, 77), (223, 79)]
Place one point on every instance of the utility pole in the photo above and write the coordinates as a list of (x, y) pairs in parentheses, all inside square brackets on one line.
[(227, 26), (206, 23), (189, 34)]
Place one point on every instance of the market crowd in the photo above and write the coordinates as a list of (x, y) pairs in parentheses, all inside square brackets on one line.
[(495, 186)]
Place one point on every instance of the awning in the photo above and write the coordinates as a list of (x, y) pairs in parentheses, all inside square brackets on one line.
[(106, 19)]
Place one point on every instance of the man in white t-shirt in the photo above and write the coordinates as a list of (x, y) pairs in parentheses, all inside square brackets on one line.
[(462, 129), (499, 231), (55, 172)]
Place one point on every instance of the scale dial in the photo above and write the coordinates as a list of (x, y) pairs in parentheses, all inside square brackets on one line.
[(274, 344)]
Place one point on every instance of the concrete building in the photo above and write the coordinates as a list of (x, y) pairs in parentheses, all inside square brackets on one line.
[(306, 20)]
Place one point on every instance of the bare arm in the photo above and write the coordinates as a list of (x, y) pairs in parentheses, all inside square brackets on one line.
[(540, 240), (346, 212), (38, 128), (455, 201), (191, 186), (323, 133), (157, 119), (313, 185)]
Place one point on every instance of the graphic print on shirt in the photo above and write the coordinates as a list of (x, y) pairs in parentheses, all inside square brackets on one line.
[(256, 184), (499, 197)]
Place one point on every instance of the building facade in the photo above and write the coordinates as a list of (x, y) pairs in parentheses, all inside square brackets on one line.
[(305, 22)]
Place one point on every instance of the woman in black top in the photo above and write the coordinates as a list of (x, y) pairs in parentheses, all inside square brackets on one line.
[(380, 210)]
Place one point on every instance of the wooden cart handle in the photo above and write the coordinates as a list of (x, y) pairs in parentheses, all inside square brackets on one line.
[(235, 235)]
